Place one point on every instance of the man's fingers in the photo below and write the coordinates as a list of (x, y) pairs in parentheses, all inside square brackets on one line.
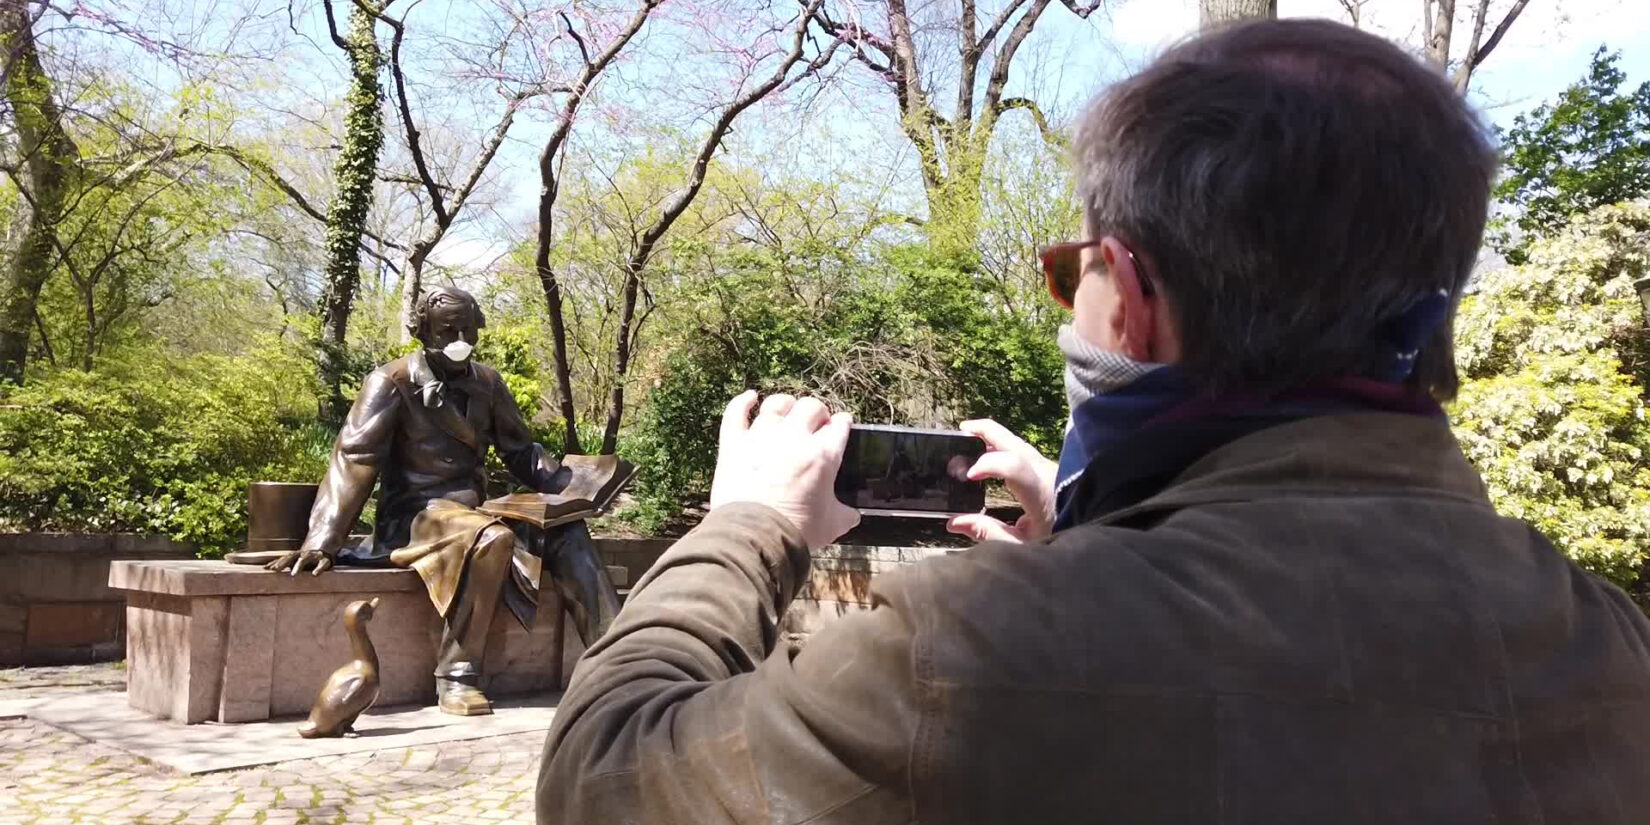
[(775, 406), (834, 435), (808, 414), (1007, 466), (993, 434), (843, 519), (737, 417), (981, 527), (322, 566)]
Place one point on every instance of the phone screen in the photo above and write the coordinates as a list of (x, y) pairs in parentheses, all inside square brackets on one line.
[(904, 469)]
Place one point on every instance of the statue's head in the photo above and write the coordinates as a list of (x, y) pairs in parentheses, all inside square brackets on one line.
[(448, 321)]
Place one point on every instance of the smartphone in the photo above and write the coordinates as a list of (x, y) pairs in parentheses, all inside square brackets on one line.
[(905, 471)]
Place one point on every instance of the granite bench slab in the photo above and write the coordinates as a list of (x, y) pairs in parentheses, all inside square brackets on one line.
[(207, 640)]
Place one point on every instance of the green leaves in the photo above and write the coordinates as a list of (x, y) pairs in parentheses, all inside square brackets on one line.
[(911, 339), (1552, 411), (151, 444), (1589, 148)]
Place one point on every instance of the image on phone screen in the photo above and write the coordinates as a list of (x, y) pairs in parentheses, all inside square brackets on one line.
[(889, 468)]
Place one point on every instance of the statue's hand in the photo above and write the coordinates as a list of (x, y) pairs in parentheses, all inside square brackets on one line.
[(297, 560)]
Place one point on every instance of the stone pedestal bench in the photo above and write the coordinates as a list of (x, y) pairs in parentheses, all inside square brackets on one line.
[(206, 640)]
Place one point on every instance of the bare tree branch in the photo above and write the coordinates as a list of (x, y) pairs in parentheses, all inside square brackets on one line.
[(1005, 56), (1464, 72), (674, 209), (1050, 136), (999, 22), (1478, 54), (332, 27), (549, 184), (584, 51), (1355, 12), (853, 33)]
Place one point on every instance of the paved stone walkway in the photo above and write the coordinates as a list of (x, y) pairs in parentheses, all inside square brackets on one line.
[(50, 777), (33, 682)]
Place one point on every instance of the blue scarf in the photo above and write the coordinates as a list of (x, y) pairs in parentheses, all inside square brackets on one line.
[(1105, 419), (1162, 403), (1102, 425)]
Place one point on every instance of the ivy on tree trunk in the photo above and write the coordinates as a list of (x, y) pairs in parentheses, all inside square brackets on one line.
[(51, 161), (1212, 13), (354, 173)]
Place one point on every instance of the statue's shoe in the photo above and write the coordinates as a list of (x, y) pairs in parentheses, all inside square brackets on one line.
[(460, 699)]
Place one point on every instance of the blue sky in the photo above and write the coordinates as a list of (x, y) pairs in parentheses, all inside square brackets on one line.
[(1546, 49), (1065, 63)]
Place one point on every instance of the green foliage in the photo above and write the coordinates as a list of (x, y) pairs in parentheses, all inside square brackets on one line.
[(1588, 149), (910, 342), (154, 444), (996, 365), (511, 350), (1552, 408), (354, 175)]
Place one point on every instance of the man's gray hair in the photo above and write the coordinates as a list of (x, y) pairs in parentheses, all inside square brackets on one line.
[(1294, 187)]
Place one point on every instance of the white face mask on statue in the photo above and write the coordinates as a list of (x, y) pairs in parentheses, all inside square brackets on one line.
[(458, 351)]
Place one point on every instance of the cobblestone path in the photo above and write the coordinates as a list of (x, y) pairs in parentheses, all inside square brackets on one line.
[(50, 777), (34, 682)]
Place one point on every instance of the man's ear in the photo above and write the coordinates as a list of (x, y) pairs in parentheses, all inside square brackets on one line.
[(1133, 318)]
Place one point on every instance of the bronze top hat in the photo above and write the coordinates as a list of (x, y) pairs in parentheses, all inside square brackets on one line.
[(277, 515)]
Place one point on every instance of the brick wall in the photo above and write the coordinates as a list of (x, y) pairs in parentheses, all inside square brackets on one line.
[(839, 583), (55, 603)]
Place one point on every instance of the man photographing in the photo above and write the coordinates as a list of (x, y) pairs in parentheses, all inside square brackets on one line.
[(1260, 585)]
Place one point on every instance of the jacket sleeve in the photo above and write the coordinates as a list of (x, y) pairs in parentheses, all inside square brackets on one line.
[(357, 455), (522, 456), (685, 712)]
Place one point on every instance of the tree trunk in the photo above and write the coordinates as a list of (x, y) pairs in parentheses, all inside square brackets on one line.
[(89, 299), (1214, 13), (1440, 29), (412, 283), (51, 161), (621, 359), (558, 320), (955, 204), (1476, 54), (354, 174), (548, 188), (650, 237)]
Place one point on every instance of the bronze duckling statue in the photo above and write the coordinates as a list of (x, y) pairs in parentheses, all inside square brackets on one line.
[(350, 689)]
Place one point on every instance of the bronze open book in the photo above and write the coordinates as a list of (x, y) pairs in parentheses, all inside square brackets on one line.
[(593, 482)]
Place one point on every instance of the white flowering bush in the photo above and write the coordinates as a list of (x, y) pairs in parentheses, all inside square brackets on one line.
[(1552, 408)]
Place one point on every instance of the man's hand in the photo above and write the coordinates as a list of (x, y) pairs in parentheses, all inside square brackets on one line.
[(786, 459), (297, 560), (1029, 477)]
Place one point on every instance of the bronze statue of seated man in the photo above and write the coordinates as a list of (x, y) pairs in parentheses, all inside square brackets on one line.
[(420, 428)]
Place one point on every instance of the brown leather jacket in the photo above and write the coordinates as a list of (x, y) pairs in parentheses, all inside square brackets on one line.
[(411, 432), (1322, 622)]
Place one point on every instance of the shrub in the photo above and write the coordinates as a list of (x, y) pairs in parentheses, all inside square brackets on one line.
[(1552, 408), (914, 344), (152, 444)]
